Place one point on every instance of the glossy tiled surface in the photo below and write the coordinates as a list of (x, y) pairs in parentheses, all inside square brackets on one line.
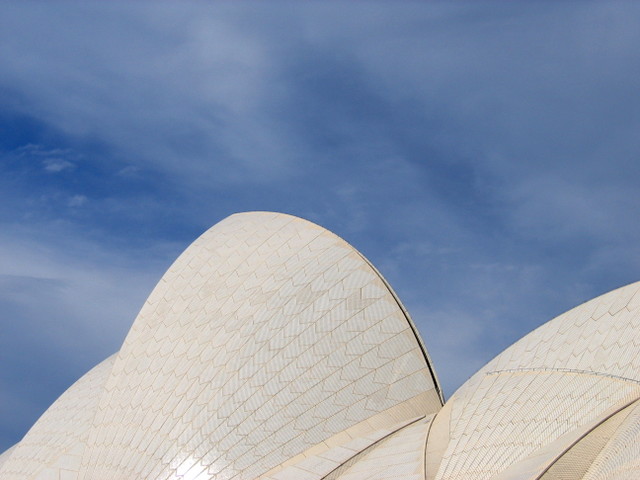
[(4, 456), (617, 456), (267, 337), (559, 378), (53, 448), (273, 350), (400, 455)]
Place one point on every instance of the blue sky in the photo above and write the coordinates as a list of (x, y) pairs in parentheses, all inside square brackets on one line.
[(484, 156)]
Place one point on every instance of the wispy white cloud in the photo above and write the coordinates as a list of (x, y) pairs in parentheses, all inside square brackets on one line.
[(76, 201), (194, 101), (55, 165), (35, 150), (129, 171), (53, 160)]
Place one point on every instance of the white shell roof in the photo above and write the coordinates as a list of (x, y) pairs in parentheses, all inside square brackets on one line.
[(4, 456), (272, 349), (268, 337), (546, 389)]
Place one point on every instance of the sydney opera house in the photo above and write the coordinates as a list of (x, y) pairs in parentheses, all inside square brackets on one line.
[(272, 349)]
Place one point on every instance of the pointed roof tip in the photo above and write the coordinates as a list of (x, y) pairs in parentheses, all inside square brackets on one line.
[(272, 214)]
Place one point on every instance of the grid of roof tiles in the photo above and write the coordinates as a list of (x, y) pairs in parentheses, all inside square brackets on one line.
[(271, 349), (561, 377), (268, 336), (400, 455)]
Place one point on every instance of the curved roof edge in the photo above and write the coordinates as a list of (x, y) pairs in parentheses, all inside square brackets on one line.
[(413, 326), (395, 296), (56, 440), (334, 347)]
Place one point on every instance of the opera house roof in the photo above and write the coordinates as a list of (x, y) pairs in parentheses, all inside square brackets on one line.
[(271, 349)]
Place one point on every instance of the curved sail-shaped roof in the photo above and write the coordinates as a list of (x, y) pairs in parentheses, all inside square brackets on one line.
[(268, 337), (273, 350), (534, 401)]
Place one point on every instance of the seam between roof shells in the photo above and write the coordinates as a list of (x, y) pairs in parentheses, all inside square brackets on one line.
[(584, 435), (414, 329), (562, 370)]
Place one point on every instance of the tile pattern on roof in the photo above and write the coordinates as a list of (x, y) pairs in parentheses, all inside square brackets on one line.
[(273, 350), (560, 377), (4, 456), (619, 457), (327, 460), (53, 447), (575, 461), (266, 337), (401, 455)]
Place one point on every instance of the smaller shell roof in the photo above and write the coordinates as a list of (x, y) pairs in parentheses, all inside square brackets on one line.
[(57, 440), (560, 379)]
